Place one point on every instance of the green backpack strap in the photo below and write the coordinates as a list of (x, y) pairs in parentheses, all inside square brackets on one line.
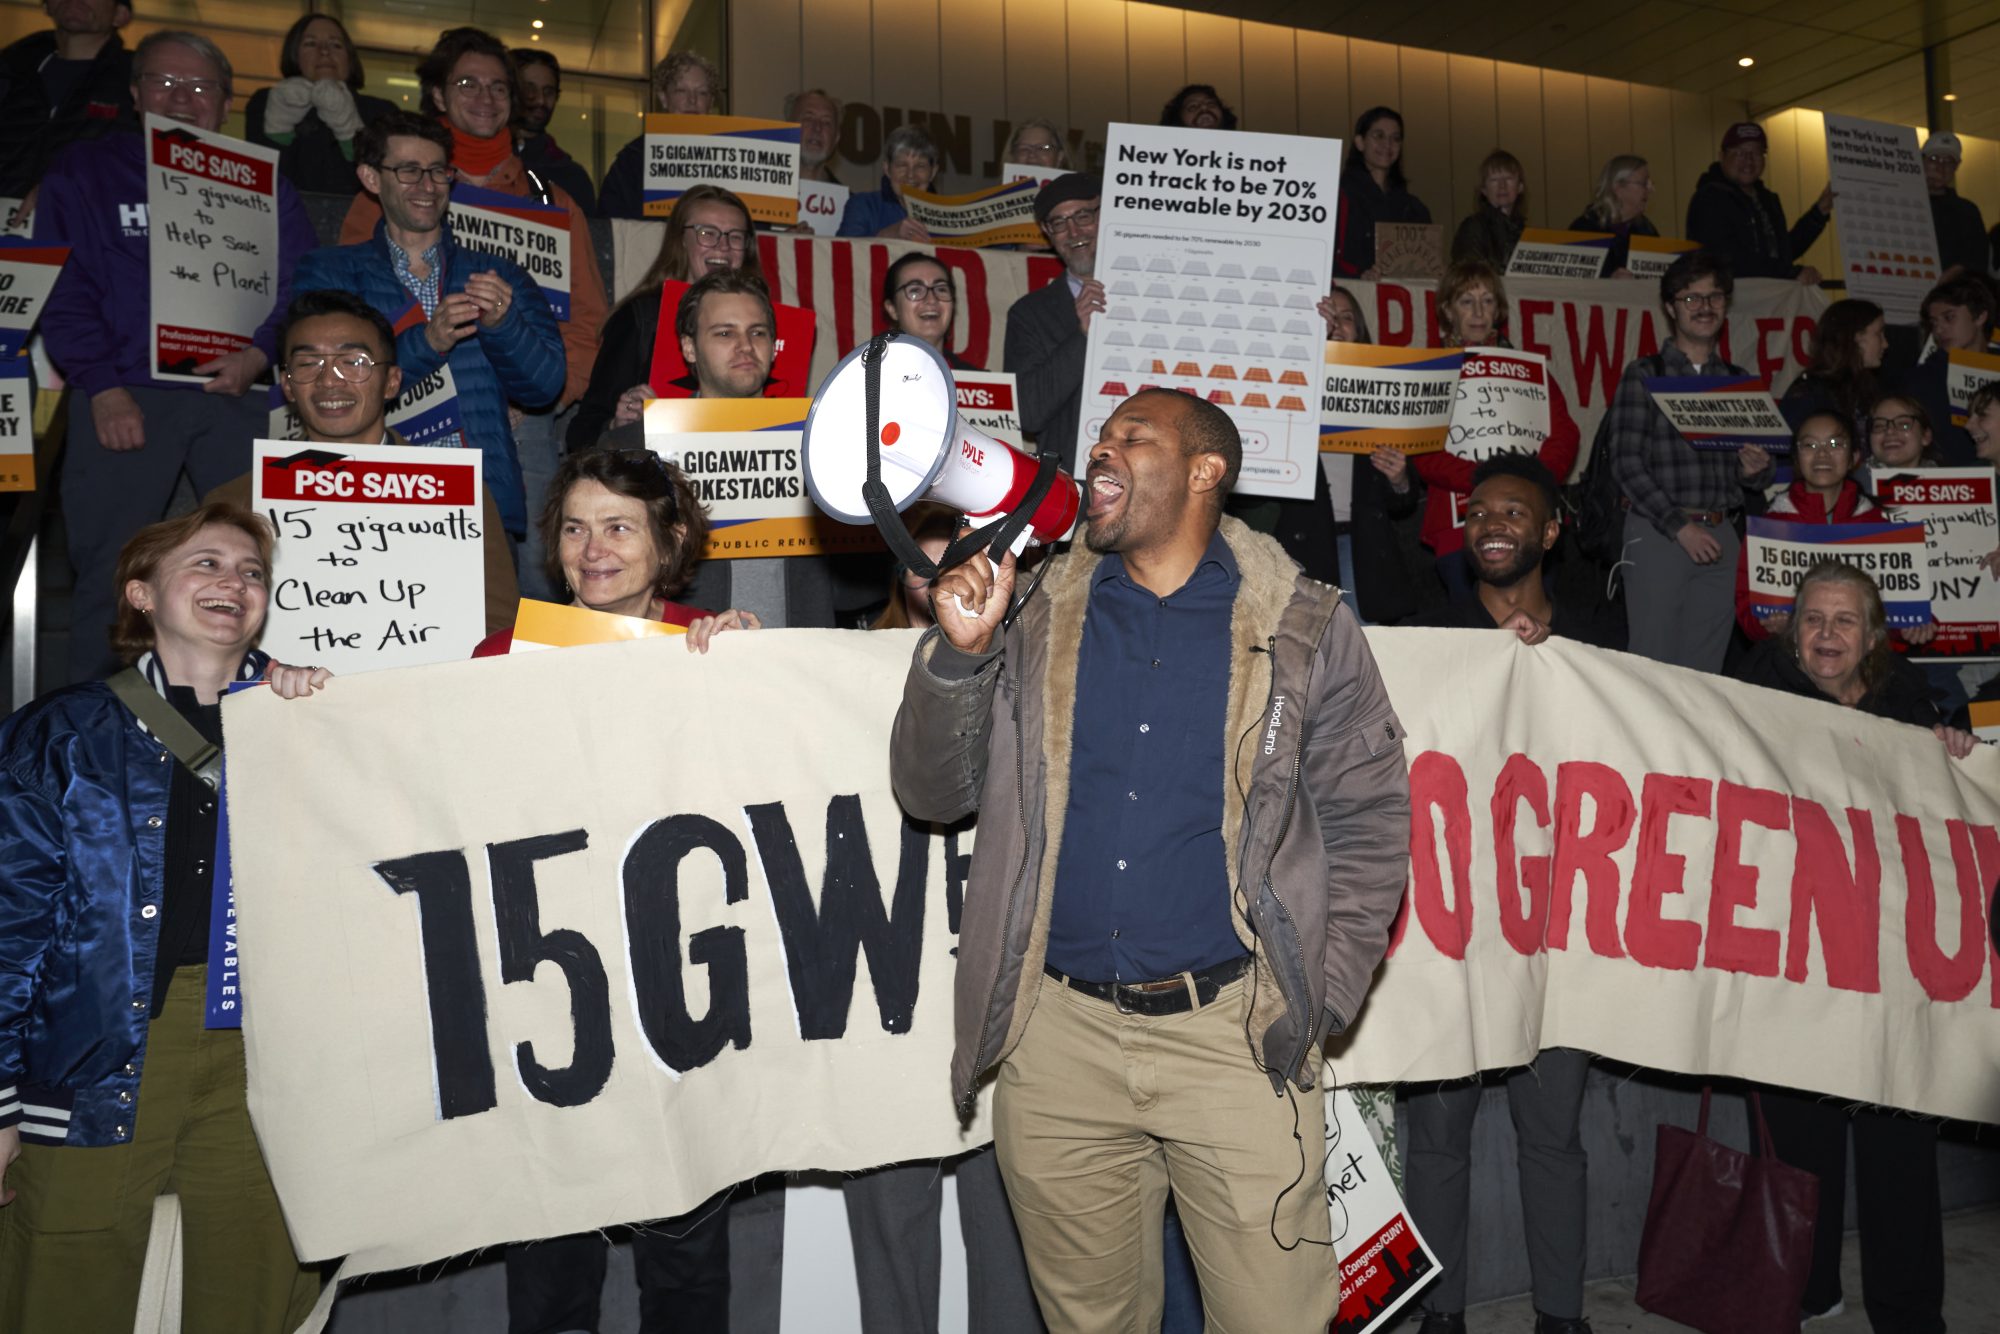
[(202, 757)]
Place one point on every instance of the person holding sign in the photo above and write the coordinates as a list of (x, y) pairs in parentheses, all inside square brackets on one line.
[(909, 162), (1499, 213), (1624, 188), (113, 1089), (131, 434), (1372, 190), (684, 84), (1957, 313), (1823, 454), (1048, 330), (1733, 214)]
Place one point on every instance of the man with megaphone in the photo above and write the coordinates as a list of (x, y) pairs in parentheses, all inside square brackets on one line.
[(1193, 837)]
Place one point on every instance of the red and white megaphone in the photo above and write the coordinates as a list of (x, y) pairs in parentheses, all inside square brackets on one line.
[(927, 452)]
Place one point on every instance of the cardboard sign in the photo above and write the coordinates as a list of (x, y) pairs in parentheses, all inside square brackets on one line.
[(17, 424), (381, 554), (1501, 405), (1888, 240), (1409, 249), (742, 457), (998, 215), (27, 273), (1649, 257), (986, 399), (1778, 554), (1382, 1258), (532, 234), (1713, 412), (1965, 373), (1961, 529), (821, 206), (545, 625), (1401, 397), (757, 159), (1555, 254), (212, 237), (791, 363)]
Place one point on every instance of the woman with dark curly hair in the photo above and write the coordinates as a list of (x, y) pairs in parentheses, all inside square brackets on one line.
[(1198, 107)]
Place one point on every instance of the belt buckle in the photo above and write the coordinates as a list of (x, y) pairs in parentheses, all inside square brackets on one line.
[(1118, 999)]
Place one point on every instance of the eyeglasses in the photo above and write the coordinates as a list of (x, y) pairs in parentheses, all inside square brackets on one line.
[(1810, 446), (496, 89), (914, 292), (1083, 217), (710, 237), (167, 83), (348, 367), (1696, 300), (1905, 425), (1940, 158), (409, 173)]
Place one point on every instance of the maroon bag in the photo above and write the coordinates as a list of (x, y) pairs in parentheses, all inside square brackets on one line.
[(1729, 1236)]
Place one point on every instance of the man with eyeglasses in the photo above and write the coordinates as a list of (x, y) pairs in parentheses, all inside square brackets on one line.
[(337, 368), (1048, 330), (1735, 216), (1681, 538), (60, 85), (1961, 230), (130, 435), (449, 304)]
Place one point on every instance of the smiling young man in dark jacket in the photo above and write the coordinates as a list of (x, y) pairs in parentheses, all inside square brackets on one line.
[(1194, 834)]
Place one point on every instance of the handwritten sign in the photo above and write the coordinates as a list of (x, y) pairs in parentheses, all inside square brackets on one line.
[(1713, 412), (532, 234), (1502, 404), (742, 457), (1888, 241), (1648, 257), (757, 159), (791, 360), (1383, 1260), (546, 625), (987, 400), (381, 553), (27, 273), (17, 424), (1778, 554), (1409, 249), (212, 207), (1966, 373), (1401, 397), (1961, 529), (997, 215), (821, 206), (1557, 254)]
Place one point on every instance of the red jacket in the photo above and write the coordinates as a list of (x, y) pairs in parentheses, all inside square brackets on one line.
[(1450, 477), (498, 644), (1798, 505)]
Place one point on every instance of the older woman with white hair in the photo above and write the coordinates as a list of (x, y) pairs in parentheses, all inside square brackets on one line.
[(1619, 207), (909, 162)]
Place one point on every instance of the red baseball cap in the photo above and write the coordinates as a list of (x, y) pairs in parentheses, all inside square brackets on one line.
[(1745, 132)]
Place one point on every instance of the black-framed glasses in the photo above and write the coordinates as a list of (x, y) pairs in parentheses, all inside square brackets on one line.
[(348, 367), (914, 291), (196, 87), (1696, 300), (710, 237), (1083, 217), (409, 173), (1905, 425)]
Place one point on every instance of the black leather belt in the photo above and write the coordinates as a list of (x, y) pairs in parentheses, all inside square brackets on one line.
[(1167, 996)]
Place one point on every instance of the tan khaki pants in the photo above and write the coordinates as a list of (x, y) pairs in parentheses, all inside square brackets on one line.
[(1098, 1114)]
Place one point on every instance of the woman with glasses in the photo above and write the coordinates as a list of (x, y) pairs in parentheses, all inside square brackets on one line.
[(1037, 143), (1899, 434), (1823, 454), (1843, 376), (918, 299), (709, 231), (1624, 188), (909, 162), (313, 112)]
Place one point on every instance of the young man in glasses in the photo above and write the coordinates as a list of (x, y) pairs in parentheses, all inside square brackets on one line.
[(1681, 540), (1048, 330), (130, 435), (450, 306), (337, 368)]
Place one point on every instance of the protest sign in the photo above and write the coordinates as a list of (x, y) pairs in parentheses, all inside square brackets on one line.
[(1501, 404), (11, 226), (1888, 241), (1401, 397), (545, 625), (791, 360), (741, 455), (756, 159), (532, 234), (1382, 1259), (1649, 257), (1965, 373), (17, 424), (381, 554), (1713, 412), (998, 215), (821, 206), (986, 399), (1021, 171), (1559, 254), (1777, 554), (27, 273), (1214, 254), (212, 243), (1409, 250), (1961, 530), (1985, 715)]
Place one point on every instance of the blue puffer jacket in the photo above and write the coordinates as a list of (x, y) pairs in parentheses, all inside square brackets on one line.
[(520, 360), (868, 214), (83, 849)]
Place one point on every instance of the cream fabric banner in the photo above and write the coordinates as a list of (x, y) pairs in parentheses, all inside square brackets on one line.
[(448, 873)]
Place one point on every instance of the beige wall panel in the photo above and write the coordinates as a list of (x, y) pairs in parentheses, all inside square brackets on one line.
[(1037, 82), (906, 31), (1825, 253), (1374, 77), (765, 49), (1653, 140), (1214, 56), (1611, 128), (1518, 127), (1156, 47), (1695, 144), (835, 49), (1474, 123), (1427, 143), (1324, 108), (1096, 65), (1270, 79), (1565, 137), (974, 82)]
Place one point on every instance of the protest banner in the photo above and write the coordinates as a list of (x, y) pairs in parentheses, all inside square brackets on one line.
[(1966, 372), (532, 234), (1383, 1260), (988, 400), (791, 359), (821, 206), (1792, 893), (1961, 530), (17, 424), (1713, 412), (1777, 554), (27, 273), (212, 243), (1888, 241), (1542, 253), (1647, 258), (1409, 250), (1001, 214), (741, 455), (1214, 254), (1501, 404), (545, 625), (1401, 397), (756, 159), (381, 554)]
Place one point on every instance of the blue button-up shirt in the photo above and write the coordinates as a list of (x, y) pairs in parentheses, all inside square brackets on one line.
[(1142, 889)]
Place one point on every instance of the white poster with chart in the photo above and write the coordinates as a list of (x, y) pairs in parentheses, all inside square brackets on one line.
[(1887, 239), (1214, 250)]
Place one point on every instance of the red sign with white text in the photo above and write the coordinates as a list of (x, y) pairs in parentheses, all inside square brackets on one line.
[(186, 153), (362, 482)]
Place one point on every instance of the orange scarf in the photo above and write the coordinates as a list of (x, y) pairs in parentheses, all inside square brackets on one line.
[(479, 157)]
